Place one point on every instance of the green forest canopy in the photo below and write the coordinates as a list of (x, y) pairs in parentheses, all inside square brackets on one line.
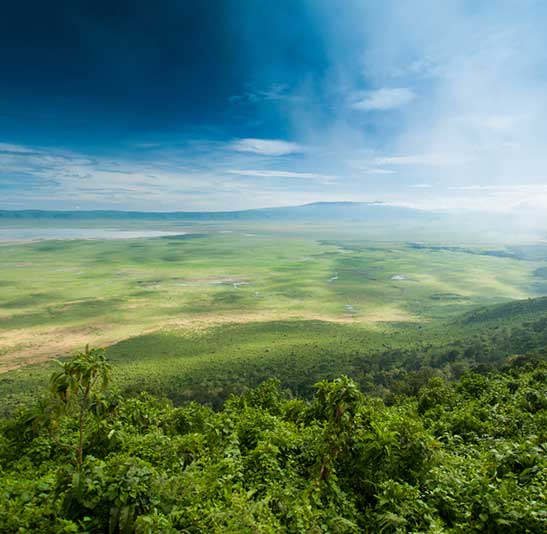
[(463, 456)]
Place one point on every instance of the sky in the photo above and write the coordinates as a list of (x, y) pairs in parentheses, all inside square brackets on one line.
[(231, 104)]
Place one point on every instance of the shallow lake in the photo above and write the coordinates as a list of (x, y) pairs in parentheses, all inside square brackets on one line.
[(31, 234)]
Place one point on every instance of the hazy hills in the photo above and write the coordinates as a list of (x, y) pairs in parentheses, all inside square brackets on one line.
[(393, 222), (320, 210)]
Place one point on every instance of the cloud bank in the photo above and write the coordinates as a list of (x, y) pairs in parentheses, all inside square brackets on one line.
[(439, 105)]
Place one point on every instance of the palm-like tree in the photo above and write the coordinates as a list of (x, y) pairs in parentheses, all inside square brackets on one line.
[(77, 380)]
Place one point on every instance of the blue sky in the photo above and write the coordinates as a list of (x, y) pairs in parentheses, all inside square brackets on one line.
[(230, 104)]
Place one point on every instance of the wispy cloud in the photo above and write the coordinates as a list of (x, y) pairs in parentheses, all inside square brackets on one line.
[(15, 149), (275, 92), (383, 99), (373, 106), (266, 147), (160, 180), (428, 160), (325, 178), (540, 189), (498, 123), (379, 171)]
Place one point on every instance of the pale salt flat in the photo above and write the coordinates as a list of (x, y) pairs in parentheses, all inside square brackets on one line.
[(39, 234)]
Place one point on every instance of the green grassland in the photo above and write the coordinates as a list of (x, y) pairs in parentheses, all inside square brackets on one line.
[(202, 315), (209, 365), (447, 340), (55, 293)]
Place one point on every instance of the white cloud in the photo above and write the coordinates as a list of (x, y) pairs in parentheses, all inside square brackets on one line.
[(540, 189), (379, 171), (15, 149), (322, 178), (383, 99), (495, 123), (428, 160), (54, 178), (282, 174), (266, 147), (276, 91), (147, 145)]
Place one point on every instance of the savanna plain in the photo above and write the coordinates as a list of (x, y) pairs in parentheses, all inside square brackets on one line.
[(193, 302), (414, 335)]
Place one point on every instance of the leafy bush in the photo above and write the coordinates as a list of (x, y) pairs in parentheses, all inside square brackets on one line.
[(468, 456)]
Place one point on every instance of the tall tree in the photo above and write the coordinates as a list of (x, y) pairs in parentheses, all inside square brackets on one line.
[(78, 381)]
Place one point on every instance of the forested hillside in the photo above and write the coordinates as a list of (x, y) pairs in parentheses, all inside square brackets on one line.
[(396, 359), (437, 428), (462, 456)]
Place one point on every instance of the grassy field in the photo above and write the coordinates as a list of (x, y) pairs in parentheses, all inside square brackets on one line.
[(210, 364), (241, 302), (57, 294)]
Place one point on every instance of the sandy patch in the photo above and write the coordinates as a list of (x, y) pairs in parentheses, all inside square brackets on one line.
[(27, 346)]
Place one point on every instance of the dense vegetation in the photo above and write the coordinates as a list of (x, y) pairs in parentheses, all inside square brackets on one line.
[(438, 428), (390, 360), (463, 456), (273, 384)]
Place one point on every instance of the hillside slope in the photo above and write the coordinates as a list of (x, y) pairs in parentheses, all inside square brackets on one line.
[(315, 211), (390, 360)]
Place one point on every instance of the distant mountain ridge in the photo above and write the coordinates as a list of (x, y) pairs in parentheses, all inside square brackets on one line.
[(317, 210)]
